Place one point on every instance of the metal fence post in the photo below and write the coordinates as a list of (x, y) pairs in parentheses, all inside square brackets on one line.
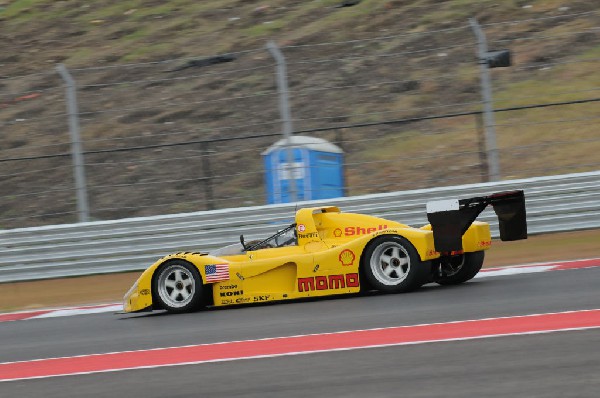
[(76, 151), (483, 164), (207, 177), (488, 112), (284, 109)]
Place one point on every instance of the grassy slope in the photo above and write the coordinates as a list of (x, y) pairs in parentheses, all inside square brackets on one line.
[(35, 34)]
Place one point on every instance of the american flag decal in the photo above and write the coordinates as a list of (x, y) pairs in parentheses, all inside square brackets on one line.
[(216, 272)]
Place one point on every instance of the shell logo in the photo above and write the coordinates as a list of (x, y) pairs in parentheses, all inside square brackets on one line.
[(347, 257), (337, 232)]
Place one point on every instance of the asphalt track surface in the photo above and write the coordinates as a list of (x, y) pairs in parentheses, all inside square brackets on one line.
[(558, 364)]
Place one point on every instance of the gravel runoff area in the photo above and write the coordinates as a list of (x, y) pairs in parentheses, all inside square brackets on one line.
[(111, 288)]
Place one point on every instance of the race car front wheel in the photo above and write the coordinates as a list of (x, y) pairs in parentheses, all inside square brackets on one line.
[(391, 264), (177, 287)]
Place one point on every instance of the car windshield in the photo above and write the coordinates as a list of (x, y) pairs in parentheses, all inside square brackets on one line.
[(283, 237)]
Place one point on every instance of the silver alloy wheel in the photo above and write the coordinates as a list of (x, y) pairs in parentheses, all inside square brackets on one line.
[(390, 263), (176, 286)]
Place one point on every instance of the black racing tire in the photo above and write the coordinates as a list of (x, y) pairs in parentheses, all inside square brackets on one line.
[(470, 266), (177, 287), (391, 264)]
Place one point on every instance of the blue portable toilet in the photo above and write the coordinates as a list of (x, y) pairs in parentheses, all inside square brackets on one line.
[(317, 168)]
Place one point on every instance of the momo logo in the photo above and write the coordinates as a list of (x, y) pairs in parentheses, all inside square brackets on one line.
[(347, 257), (329, 282), (301, 227), (337, 232), (352, 231)]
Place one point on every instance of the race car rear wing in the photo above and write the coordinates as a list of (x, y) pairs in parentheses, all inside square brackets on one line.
[(450, 219)]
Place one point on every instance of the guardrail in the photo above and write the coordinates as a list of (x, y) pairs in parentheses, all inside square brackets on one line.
[(557, 203)]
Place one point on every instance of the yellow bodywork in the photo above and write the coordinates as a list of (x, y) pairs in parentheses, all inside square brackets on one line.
[(325, 261)]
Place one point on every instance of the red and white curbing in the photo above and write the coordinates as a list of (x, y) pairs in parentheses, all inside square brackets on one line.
[(539, 267), (484, 273), (58, 312)]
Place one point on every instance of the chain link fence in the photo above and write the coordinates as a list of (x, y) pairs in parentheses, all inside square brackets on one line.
[(186, 134)]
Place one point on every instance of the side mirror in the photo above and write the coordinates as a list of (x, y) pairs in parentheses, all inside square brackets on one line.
[(242, 242)]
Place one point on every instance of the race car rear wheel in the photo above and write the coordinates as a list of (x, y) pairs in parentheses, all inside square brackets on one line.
[(177, 287), (391, 264), (460, 269)]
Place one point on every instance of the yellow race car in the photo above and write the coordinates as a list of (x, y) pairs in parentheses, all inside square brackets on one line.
[(327, 252)]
